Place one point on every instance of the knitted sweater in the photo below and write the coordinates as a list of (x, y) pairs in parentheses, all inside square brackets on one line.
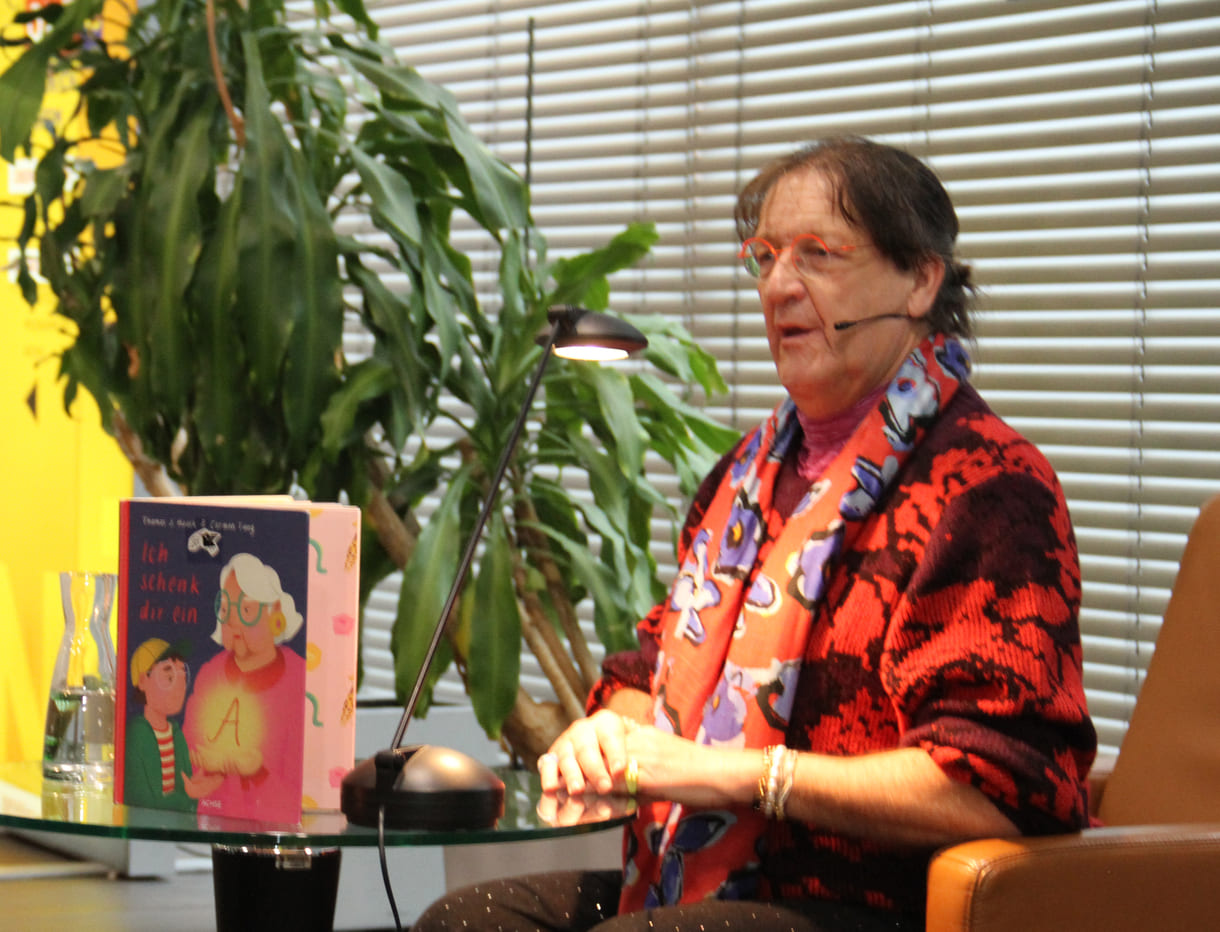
[(949, 624)]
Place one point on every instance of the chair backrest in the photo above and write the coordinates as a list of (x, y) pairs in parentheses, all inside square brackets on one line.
[(1168, 768)]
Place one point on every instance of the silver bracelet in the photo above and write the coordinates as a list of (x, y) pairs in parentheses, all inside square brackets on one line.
[(787, 777)]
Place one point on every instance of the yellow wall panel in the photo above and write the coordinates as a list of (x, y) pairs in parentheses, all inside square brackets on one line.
[(61, 477)]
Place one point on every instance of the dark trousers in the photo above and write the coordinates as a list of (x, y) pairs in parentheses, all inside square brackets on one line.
[(581, 901)]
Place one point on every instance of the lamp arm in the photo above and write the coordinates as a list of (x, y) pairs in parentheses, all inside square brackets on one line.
[(472, 543)]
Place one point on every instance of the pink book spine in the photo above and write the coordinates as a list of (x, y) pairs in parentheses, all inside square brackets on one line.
[(330, 679)]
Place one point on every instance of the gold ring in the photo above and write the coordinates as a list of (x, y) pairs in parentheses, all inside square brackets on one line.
[(632, 776)]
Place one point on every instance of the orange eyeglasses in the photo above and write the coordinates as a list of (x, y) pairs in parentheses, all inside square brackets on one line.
[(810, 254)]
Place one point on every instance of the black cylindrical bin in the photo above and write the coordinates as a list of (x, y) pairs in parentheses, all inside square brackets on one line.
[(269, 889)]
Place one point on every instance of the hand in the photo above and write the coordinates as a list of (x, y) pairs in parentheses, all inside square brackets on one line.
[(590, 756), (201, 785)]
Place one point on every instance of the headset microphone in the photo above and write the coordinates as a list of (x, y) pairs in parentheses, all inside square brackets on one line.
[(846, 324)]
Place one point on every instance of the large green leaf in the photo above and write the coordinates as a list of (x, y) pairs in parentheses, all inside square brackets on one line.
[(605, 479), (671, 349), (21, 91), (393, 199), (104, 190), (24, 82), (498, 193), (615, 624), (221, 412), (170, 234), (426, 581), (341, 426), (310, 372), (617, 405), (399, 344), (582, 279), (405, 84), (494, 662), (353, 8), (684, 435), (271, 295), (439, 292)]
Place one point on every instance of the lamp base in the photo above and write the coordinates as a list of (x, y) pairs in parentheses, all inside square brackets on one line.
[(422, 787)]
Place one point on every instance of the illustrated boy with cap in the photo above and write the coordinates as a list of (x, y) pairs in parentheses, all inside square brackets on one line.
[(158, 763)]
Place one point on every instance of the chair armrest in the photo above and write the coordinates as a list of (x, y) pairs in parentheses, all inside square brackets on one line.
[(1117, 879), (1099, 776)]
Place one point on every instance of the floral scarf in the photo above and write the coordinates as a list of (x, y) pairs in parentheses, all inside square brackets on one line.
[(739, 615)]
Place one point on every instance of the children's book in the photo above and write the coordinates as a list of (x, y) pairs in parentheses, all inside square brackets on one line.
[(236, 650)]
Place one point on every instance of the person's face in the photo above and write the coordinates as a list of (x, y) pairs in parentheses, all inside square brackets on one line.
[(164, 686), (825, 370), (248, 626)]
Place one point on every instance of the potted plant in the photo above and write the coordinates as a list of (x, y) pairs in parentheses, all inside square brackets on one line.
[(204, 274)]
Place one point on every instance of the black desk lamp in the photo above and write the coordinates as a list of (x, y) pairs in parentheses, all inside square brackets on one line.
[(430, 787)]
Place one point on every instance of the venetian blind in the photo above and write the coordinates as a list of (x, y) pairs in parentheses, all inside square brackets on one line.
[(1080, 143)]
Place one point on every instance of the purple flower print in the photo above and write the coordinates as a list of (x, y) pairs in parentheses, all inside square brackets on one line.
[(693, 591), (809, 580), (695, 832), (763, 595), (745, 459), (776, 692), (871, 482), (724, 713), (911, 399), (954, 360), (740, 540)]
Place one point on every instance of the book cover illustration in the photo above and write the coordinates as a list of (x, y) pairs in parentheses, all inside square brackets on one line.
[(212, 652), (333, 639)]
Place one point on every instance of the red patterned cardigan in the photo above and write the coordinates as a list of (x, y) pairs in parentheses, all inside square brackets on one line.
[(949, 624)]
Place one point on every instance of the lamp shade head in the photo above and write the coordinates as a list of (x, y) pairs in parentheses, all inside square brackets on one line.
[(584, 334)]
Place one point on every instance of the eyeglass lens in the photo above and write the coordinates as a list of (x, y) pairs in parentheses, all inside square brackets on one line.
[(809, 255)]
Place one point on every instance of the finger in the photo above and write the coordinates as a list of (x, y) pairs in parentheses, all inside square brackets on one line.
[(571, 775), (612, 735), (548, 772), (590, 754), (567, 769)]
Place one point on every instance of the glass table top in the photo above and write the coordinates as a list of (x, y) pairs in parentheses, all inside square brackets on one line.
[(28, 801)]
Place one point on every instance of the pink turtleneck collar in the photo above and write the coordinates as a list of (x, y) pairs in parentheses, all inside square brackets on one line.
[(825, 437)]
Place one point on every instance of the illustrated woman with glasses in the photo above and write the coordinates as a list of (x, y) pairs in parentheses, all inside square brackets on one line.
[(243, 719), (871, 647)]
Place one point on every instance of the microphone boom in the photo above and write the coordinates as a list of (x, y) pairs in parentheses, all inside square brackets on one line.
[(847, 324)]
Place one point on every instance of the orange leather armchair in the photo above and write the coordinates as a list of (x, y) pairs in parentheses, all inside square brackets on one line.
[(1156, 863)]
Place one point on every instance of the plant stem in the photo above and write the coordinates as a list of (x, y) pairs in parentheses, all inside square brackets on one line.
[(151, 473), (548, 649), (235, 120)]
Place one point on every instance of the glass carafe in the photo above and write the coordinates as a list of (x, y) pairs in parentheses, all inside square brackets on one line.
[(78, 741)]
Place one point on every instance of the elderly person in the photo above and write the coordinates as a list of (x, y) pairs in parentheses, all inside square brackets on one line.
[(871, 649)]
